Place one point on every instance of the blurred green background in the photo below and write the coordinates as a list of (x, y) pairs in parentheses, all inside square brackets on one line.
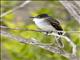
[(14, 50)]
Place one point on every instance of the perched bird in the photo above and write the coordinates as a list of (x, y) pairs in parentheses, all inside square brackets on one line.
[(47, 23)]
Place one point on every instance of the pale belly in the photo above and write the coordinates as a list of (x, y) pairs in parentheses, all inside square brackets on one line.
[(44, 25)]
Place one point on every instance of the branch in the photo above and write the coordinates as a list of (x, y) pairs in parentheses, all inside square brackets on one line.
[(44, 46), (54, 34), (74, 50), (4, 27), (72, 8), (14, 9)]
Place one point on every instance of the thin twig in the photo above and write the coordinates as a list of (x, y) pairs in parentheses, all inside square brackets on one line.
[(74, 50), (4, 27), (14, 9), (70, 8)]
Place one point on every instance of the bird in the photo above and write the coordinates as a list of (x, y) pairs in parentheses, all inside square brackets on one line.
[(48, 23)]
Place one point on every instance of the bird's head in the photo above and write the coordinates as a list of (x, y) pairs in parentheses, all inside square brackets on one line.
[(41, 16)]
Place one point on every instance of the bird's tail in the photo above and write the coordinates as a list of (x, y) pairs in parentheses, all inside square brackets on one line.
[(59, 42)]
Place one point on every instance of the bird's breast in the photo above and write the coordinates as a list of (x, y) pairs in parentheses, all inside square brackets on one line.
[(43, 24)]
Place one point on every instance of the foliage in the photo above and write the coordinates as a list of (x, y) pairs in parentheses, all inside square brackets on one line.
[(18, 51)]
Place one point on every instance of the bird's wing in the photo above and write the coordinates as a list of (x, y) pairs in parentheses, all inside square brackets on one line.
[(55, 23)]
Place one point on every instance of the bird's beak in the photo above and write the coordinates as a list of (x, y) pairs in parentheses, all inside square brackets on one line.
[(32, 17)]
